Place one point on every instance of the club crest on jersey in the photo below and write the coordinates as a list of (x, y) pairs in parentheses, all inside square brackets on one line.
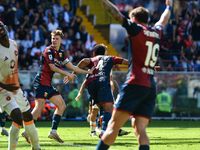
[(50, 57), (16, 53), (45, 94), (8, 98), (60, 54)]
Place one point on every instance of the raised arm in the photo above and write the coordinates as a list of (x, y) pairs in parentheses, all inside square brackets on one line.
[(166, 14), (112, 10)]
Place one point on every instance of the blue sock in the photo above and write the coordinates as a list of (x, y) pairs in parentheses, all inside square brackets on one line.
[(102, 146), (144, 147), (106, 119), (34, 121), (55, 121), (2, 119), (101, 111)]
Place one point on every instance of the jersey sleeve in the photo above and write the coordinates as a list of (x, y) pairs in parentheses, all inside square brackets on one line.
[(66, 60), (117, 60), (131, 27), (49, 57), (159, 30)]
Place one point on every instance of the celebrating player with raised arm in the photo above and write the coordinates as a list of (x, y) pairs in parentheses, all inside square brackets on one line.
[(138, 94), (15, 103)]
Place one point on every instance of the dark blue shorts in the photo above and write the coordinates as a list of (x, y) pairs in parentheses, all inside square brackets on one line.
[(44, 91), (136, 100), (100, 92)]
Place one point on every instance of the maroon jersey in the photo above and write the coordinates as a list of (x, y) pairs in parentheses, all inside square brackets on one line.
[(50, 55), (143, 50), (103, 65)]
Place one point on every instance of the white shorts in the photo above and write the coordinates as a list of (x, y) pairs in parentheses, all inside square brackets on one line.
[(95, 106), (22, 101), (9, 101)]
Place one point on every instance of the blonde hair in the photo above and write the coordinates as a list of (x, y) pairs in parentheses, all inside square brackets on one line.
[(57, 32)]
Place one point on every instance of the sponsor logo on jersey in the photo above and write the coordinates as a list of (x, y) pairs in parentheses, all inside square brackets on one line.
[(6, 58), (12, 64), (60, 54), (8, 98), (45, 94), (50, 57), (16, 53)]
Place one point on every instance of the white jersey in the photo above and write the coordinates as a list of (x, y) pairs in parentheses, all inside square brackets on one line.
[(8, 75), (8, 64)]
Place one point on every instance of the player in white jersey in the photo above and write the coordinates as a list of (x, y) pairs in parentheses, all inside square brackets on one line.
[(14, 102)]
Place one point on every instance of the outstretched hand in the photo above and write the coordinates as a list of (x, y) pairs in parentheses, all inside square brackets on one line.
[(91, 70), (77, 97), (155, 68), (69, 78)]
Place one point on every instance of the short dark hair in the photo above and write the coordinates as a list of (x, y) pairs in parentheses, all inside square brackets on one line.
[(141, 14), (99, 49)]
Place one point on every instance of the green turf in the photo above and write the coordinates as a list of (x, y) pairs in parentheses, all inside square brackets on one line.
[(164, 135)]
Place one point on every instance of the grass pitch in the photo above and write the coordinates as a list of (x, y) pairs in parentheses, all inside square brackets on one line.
[(164, 135)]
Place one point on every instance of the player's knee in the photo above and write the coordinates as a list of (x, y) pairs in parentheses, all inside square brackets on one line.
[(27, 116), (62, 106), (16, 116)]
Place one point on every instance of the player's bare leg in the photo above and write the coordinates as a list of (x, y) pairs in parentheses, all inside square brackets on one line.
[(116, 122), (60, 104), (139, 127), (93, 116), (39, 106)]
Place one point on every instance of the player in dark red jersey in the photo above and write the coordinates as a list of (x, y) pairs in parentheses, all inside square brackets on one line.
[(138, 94), (98, 84), (52, 58)]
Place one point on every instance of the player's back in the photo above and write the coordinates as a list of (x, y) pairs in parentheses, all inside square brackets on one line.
[(143, 52), (103, 65), (8, 64)]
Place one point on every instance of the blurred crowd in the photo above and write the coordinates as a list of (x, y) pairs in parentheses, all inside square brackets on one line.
[(30, 22)]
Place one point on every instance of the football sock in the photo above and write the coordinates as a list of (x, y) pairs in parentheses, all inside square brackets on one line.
[(106, 119), (2, 120), (98, 123), (92, 126), (55, 121), (144, 147), (101, 146), (13, 136), (32, 133)]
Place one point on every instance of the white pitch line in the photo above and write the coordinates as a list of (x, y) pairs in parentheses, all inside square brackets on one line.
[(78, 145)]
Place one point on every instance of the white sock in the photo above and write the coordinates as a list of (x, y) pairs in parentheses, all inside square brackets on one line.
[(13, 136), (53, 131), (3, 128), (92, 126), (32, 133)]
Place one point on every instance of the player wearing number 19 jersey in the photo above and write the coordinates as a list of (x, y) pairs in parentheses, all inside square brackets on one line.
[(138, 94)]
